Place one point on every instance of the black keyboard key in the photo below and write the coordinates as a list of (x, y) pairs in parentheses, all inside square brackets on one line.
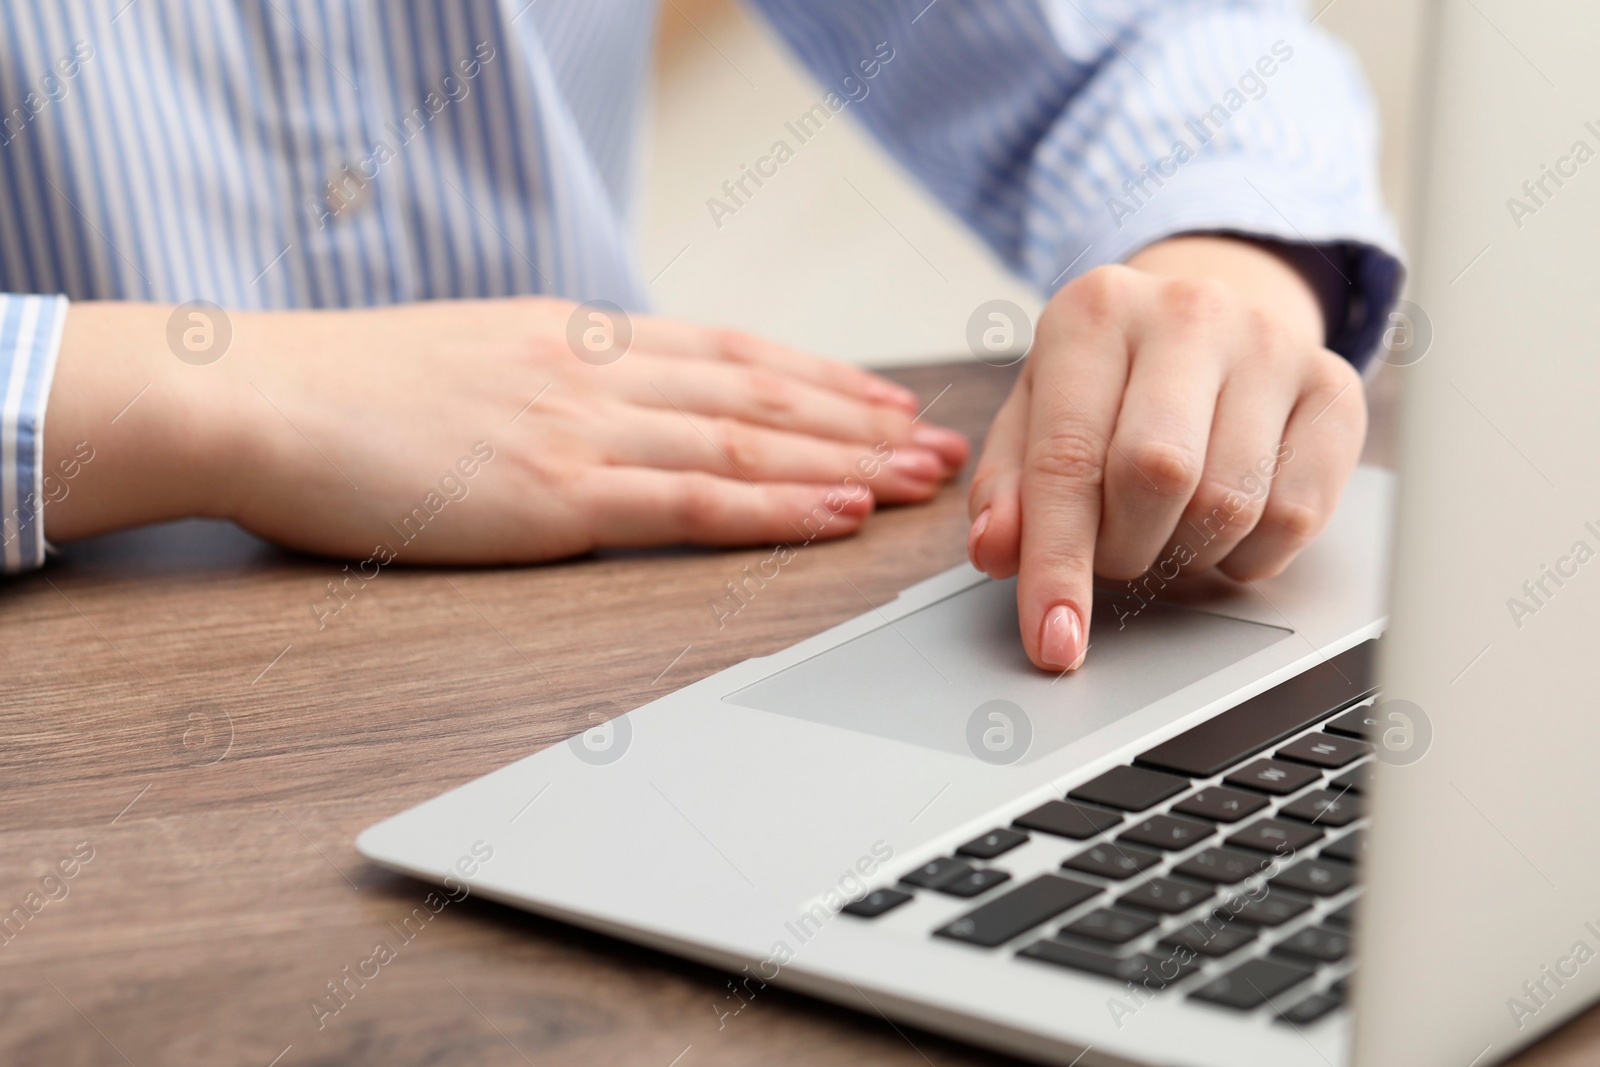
[(1213, 939), (1270, 776), (1251, 984), (876, 903), (1221, 804), (936, 874), (1221, 865), (1065, 819), (1018, 911), (1167, 896), (992, 844), (1309, 1010), (1269, 717), (1130, 788), (1340, 989), (975, 883), (1274, 835), (1345, 916), (1354, 780), (1359, 723), (1348, 849), (1109, 925), (1316, 943), (1325, 807), (1168, 832), (1323, 750), (1112, 861), (1321, 877), (1154, 972), (1274, 909)]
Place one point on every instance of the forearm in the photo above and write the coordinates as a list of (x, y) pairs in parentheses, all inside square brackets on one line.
[(1075, 145), (157, 427)]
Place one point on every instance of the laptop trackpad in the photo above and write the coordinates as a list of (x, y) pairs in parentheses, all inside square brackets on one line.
[(953, 675)]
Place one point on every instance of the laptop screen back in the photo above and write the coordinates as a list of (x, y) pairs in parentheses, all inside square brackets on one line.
[(1481, 925)]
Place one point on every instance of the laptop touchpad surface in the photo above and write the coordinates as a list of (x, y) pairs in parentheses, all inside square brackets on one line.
[(953, 675)]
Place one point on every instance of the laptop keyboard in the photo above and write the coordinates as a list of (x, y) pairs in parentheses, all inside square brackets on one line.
[(1220, 865)]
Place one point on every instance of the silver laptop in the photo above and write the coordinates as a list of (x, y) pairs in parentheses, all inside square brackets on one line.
[(1166, 858)]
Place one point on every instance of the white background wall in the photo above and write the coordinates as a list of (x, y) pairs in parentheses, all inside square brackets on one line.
[(877, 273)]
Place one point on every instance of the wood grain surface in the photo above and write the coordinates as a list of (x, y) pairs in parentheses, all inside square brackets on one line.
[(170, 704)]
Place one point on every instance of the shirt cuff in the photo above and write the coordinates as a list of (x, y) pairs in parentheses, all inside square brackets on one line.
[(1241, 197), (30, 341)]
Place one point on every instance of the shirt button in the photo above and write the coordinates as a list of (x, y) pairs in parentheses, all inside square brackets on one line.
[(347, 192)]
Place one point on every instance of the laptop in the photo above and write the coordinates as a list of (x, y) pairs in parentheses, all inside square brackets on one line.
[(1347, 815)]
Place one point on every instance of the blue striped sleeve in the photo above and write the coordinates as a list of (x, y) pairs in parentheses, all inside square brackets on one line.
[(1072, 133), (30, 338)]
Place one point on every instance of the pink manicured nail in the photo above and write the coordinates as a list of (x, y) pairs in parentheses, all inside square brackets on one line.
[(938, 438), (976, 535), (890, 393), (853, 502), (917, 463), (1061, 638)]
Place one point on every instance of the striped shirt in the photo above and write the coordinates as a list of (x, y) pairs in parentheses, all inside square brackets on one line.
[(339, 153)]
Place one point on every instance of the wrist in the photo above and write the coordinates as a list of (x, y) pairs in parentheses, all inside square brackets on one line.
[(163, 433)]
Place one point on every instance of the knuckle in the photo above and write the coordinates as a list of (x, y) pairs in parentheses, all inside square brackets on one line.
[(1065, 564), (1267, 333), (1336, 391), (987, 483), (1291, 522), (982, 487), (735, 346), (769, 393), (696, 502), (1195, 302), (1066, 455), (1338, 376), (728, 340), (1101, 294), (568, 406), (1218, 505), (1164, 468), (562, 480), (736, 443)]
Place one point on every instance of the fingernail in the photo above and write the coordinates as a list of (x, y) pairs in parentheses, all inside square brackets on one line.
[(1061, 638), (890, 393), (935, 437), (917, 463), (854, 501), (976, 535)]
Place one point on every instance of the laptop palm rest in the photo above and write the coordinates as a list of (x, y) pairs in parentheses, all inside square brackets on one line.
[(953, 675)]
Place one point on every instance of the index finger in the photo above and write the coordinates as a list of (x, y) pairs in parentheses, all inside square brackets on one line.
[(1076, 396)]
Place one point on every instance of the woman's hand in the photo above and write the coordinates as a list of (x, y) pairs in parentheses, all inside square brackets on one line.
[(337, 432), (1177, 413)]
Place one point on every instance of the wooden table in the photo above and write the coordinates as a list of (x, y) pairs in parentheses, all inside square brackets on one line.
[(170, 703)]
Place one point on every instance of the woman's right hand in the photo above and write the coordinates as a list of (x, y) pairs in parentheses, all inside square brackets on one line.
[(325, 430)]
